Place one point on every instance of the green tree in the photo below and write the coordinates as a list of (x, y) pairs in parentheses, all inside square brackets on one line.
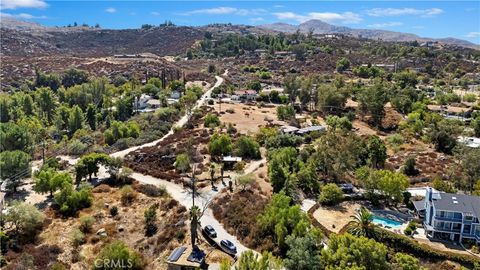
[(285, 112), (329, 98), (470, 162), (246, 180), (377, 151), (282, 163), (247, 147), (331, 194), (75, 119), (443, 135), (91, 116), (409, 166), (304, 252), (372, 101), (220, 144), (343, 64), (88, 165), (350, 252), (119, 253), (182, 163), (476, 126), (70, 201), (24, 219), (14, 166), (15, 137), (188, 100), (46, 103), (406, 262), (150, 218), (406, 78), (335, 122), (250, 261), (392, 184), (211, 120), (362, 223), (50, 181), (73, 77), (280, 219)]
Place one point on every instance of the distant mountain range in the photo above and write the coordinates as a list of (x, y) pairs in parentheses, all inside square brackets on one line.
[(320, 27)]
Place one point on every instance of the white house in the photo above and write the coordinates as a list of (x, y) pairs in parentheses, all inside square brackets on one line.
[(451, 216)]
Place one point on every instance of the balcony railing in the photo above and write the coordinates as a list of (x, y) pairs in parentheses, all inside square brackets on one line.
[(446, 230)]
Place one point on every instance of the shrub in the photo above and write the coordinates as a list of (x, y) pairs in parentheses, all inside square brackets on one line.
[(401, 243), (150, 216), (121, 254), (127, 195), (331, 194), (408, 231), (114, 211), (247, 147), (182, 163), (77, 237), (409, 166), (86, 223), (71, 201), (211, 120), (27, 219), (76, 147), (152, 190)]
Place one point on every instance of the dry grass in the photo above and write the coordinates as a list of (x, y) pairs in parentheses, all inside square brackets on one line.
[(334, 218)]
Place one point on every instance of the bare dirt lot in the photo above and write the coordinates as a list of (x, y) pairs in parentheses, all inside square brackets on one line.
[(336, 217), (247, 119)]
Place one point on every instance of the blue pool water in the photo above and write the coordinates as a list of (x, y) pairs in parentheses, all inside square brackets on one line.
[(386, 222)]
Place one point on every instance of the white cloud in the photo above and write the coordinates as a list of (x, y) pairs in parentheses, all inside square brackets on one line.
[(391, 12), (154, 13), (385, 25), (14, 4), (24, 16), (278, 6), (226, 10), (330, 17), (111, 10), (473, 35), (256, 20)]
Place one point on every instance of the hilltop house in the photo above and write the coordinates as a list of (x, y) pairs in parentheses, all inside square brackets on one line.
[(450, 216), (472, 142), (247, 95)]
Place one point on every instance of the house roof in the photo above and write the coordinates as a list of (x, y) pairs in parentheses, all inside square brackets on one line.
[(245, 92), (153, 102), (472, 142), (288, 129), (186, 256), (458, 203), (232, 159), (311, 128), (419, 205)]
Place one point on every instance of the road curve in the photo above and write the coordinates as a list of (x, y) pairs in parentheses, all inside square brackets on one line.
[(180, 123)]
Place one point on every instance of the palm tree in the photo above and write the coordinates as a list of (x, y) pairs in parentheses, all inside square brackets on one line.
[(362, 223)]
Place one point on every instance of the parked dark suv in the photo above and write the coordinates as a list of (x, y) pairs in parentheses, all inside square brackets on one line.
[(229, 247), (210, 231)]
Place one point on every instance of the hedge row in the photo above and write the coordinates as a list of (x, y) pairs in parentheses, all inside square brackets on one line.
[(401, 243)]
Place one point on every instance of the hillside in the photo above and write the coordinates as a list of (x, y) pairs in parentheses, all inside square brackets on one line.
[(30, 39), (320, 27)]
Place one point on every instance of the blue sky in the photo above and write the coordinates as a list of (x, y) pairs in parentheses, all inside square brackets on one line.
[(437, 19)]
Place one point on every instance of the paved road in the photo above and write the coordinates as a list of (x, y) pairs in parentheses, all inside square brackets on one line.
[(206, 195)]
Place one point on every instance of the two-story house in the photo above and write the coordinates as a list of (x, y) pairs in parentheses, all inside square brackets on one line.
[(452, 216)]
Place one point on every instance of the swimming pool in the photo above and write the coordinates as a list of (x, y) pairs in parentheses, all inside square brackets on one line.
[(386, 222)]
